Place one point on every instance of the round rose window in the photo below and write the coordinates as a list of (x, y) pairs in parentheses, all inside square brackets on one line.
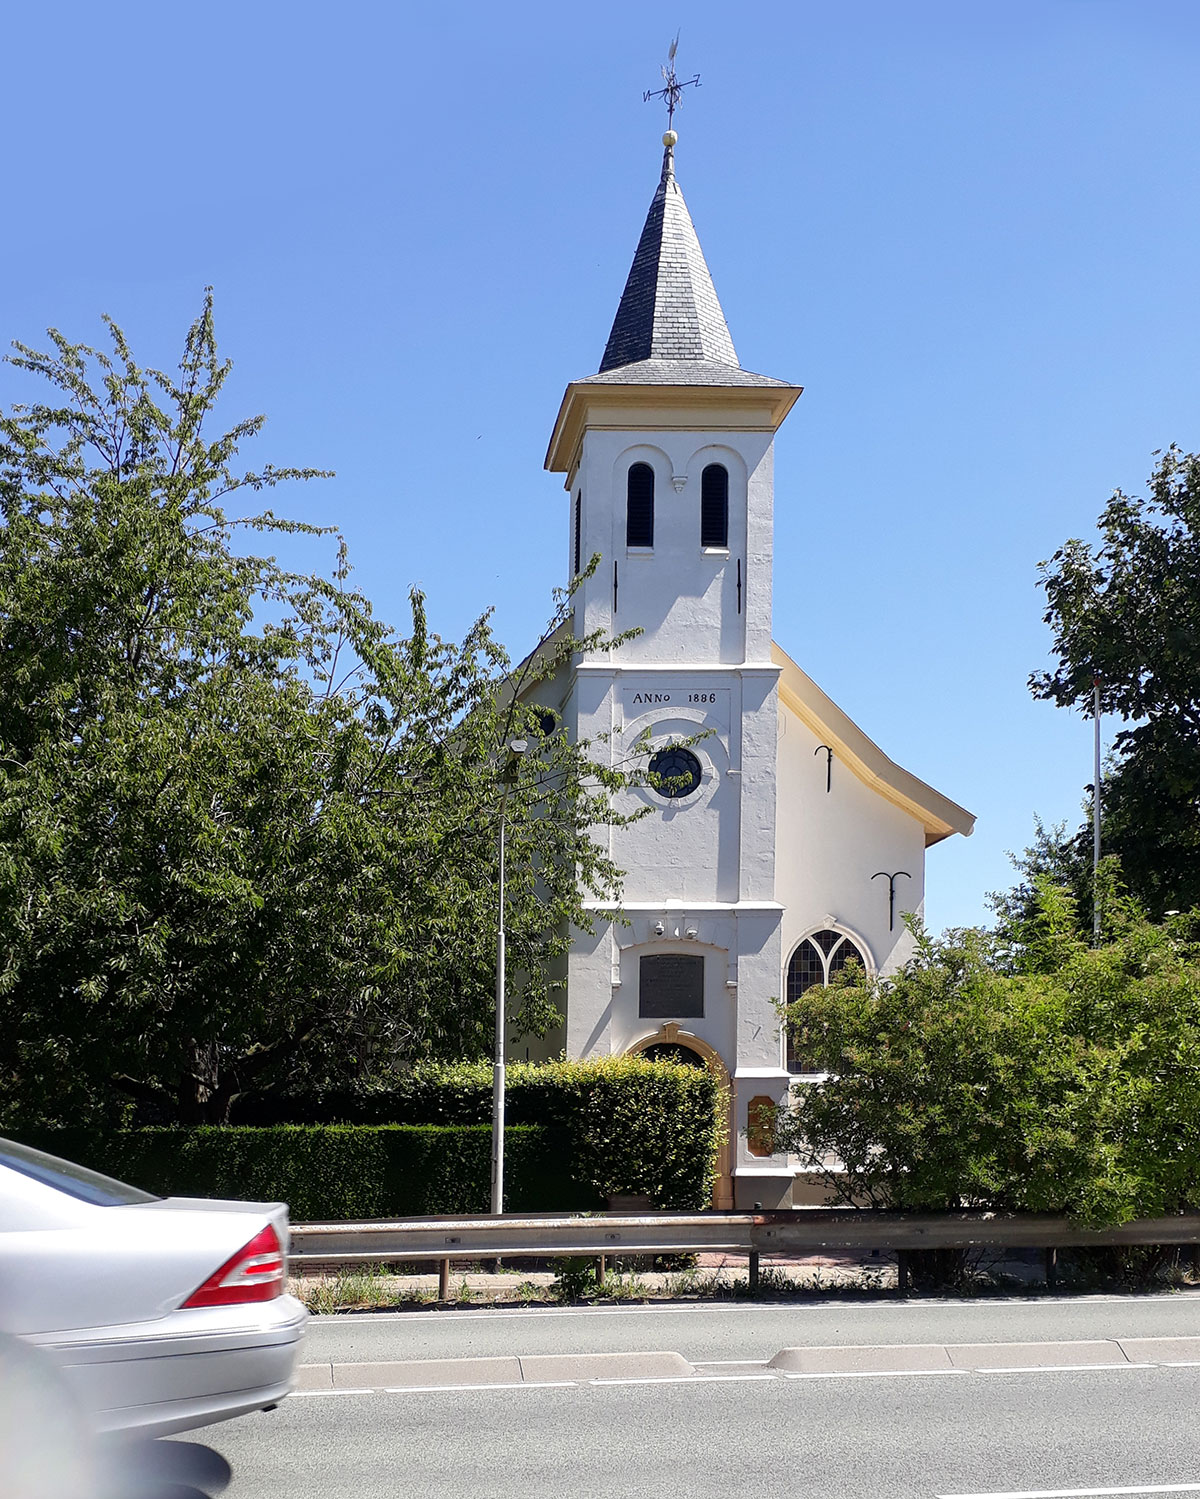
[(676, 771)]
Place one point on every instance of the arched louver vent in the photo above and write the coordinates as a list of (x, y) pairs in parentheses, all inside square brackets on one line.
[(578, 532), (714, 506), (639, 512)]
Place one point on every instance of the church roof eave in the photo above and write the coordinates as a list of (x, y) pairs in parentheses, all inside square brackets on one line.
[(938, 815), (754, 402)]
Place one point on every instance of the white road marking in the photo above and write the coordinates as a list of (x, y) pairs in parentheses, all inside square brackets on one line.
[(308, 1394), (663, 1379), (1101, 1493), (778, 1376), (1058, 1368), (875, 1373), (729, 1378), (688, 1379), (518, 1384)]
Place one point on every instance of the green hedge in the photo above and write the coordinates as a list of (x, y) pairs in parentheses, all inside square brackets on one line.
[(335, 1171), (578, 1133), (632, 1126)]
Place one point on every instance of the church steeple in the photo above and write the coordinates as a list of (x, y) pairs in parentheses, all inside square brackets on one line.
[(669, 361), (669, 309)]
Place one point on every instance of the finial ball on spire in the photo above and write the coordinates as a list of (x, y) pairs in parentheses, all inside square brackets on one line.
[(670, 138)]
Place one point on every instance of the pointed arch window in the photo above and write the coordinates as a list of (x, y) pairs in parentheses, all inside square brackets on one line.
[(814, 962), (714, 506), (639, 506)]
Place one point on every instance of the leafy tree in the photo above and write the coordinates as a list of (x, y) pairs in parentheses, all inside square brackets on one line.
[(1052, 858), (247, 832), (1069, 1085), (1127, 613)]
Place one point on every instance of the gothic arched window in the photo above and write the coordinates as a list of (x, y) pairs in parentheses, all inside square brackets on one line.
[(814, 962), (639, 508), (714, 506)]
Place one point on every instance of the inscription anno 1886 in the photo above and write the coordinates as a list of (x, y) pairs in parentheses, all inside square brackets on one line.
[(674, 697)]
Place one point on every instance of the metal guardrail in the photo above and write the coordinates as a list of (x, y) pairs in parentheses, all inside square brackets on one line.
[(515, 1238), (755, 1235)]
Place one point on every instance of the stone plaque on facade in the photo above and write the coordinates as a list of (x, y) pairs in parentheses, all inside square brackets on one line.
[(670, 986), (702, 700)]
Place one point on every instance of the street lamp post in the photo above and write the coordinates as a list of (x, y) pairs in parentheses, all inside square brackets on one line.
[(1096, 813), (508, 777)]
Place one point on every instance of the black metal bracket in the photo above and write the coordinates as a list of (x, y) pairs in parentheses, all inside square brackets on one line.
[(828, 764), (882, 874)]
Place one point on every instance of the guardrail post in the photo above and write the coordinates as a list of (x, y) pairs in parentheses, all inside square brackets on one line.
[(601, 1268), (1051, 1269), (753, 1277), (443, 1280), (902, 1274)]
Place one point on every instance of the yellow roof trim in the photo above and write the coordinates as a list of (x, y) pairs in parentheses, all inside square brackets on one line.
[(938, 815), (714, 408)]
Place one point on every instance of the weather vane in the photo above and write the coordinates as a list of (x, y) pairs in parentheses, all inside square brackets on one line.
[(672, 94)]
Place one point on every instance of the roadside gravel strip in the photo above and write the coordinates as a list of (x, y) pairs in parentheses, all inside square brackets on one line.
[(888, 1361)]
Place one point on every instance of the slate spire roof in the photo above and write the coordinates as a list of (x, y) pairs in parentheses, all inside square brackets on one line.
[(669, 328), (669, 309)]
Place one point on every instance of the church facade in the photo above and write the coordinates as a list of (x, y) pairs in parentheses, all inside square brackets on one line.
[(783, 842)]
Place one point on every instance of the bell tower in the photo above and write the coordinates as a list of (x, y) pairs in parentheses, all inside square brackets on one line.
[(667, 457)]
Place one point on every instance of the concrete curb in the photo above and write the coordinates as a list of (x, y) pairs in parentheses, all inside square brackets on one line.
[(1090, 1353), (434, 1374), (892, 1358)]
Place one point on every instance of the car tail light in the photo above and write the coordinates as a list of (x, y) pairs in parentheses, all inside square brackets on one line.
[(254, 1273)]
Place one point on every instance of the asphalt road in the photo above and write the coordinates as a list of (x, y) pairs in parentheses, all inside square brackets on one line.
[(863, 1423)]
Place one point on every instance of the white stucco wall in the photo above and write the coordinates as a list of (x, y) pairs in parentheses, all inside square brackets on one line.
[(700, 867), (829, 844), (761, 855)]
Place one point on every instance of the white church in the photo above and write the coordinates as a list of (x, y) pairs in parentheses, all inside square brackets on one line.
[(789, 842)]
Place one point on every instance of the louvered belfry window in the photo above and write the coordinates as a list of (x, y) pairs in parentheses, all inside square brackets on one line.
[(714, 506), (639, 512), (578, 532)]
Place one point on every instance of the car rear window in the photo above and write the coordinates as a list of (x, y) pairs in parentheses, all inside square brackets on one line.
[(65, 1176)]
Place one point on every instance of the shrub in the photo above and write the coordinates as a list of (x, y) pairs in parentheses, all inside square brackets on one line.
[(1056, 1077), (632, 1126), (334, 1171)]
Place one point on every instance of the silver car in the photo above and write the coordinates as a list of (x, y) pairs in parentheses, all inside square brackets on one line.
[(164, 1314)]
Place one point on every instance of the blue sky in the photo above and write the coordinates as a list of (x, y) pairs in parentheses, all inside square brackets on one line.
[(970, 231)]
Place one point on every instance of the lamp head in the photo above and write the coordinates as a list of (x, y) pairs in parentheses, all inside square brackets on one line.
[(516, 748)]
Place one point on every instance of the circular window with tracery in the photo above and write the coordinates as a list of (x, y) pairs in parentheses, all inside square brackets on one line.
[(676, 771)]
